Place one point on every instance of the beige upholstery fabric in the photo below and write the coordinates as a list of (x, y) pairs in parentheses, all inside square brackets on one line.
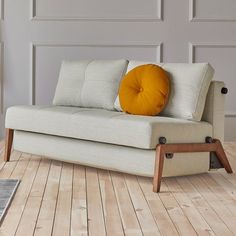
[(189, 86), (105, 126), (89, 83), (214, 109), (107, 156)]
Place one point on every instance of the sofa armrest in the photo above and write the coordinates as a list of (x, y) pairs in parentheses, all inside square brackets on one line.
[(214, 109)]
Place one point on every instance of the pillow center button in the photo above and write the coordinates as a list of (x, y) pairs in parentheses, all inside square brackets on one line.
[(141, 90)]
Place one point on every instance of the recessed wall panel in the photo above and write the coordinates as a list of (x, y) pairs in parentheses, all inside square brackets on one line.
[(96, 9), (210, 10), (222, 58), (47, 59)]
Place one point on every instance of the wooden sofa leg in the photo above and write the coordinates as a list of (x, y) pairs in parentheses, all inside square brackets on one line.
[(222, 156), (159, 162), (8, 144), (162, 149)]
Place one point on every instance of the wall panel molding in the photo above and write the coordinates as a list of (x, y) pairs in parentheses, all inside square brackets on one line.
[(34, 45), (193, 46), (233, 114), (1, 9), (158, 17), (194, 18)]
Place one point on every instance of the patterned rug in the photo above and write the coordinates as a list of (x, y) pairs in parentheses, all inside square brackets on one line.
[(7, 190)]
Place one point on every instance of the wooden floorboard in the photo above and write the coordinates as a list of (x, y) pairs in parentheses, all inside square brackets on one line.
[(32, 207), (61, 199), (44, 224), (144, 215), (203, 207), (96, 221), (79, 219), (62, 219), (127, 212), (195, 218), (110, 208)]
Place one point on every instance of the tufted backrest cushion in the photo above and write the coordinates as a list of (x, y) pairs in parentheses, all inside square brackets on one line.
[(89, 83), (188, 90)]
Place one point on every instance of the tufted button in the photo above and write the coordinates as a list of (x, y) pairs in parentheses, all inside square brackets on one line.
[(141, 90)]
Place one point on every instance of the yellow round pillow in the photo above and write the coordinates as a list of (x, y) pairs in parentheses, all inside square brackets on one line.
[(144, 90)]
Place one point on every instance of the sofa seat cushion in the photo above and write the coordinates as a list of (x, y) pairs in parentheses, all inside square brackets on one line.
[(105, 126)]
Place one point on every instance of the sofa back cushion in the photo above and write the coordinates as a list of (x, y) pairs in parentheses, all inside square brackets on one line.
[(188, 90), (89, 83)]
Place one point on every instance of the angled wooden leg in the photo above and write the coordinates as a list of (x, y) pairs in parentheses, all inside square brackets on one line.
[(159, 162), (222, 156), (8, 144), (162, 149)]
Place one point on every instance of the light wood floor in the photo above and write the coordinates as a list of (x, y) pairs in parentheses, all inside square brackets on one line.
[(56, 198)]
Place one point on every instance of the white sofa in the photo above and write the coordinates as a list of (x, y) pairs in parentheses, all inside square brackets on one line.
[(83, 126)]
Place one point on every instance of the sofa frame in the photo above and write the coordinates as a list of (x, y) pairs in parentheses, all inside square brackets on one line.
[(162, 149)]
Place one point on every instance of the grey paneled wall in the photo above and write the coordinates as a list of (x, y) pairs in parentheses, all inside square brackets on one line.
[(37, 34)]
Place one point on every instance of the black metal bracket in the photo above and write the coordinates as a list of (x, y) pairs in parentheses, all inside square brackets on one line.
[(169, 155), (162, 140), (224, 90), (208, 139), (214, 162)]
